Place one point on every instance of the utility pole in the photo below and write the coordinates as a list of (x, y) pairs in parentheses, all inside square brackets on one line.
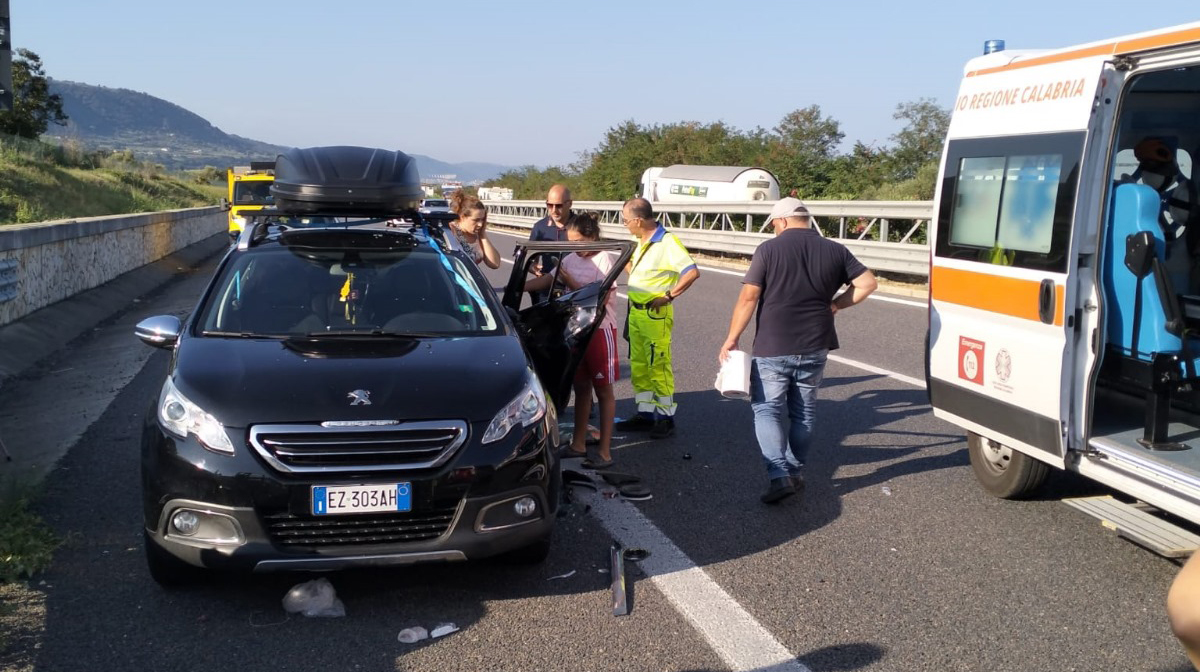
[(6, 85)]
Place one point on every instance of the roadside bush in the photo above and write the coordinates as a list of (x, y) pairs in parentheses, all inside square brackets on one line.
[(26, 544)]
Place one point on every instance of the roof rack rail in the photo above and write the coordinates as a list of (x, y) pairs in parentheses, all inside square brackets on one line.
[(263, 220)]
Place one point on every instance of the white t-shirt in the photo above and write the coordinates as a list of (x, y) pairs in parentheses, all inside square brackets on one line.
[(586, 270)]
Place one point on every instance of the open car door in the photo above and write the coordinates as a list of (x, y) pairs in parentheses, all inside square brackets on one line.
[(556, 331)]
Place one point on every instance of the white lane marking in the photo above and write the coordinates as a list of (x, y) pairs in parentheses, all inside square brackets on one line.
[(741, 274), (915, 382), (892, 299), (734, 635)]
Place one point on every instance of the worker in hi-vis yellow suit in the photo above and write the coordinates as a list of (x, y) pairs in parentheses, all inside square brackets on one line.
[(660, 270)]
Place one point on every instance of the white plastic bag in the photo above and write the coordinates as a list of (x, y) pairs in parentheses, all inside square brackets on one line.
[(412, 635), (314, 598), (733, 380)]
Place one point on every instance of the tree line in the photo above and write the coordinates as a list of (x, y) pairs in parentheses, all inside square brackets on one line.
[(802, 152)]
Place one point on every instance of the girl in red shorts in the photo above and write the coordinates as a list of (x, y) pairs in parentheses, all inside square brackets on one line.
[(599, 368)]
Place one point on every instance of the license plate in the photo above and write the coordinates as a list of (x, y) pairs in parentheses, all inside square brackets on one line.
[(338, 499)]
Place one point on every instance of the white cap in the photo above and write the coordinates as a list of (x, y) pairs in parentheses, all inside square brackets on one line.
[(787, 207)]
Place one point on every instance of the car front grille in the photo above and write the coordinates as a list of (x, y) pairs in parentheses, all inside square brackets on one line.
[(324, 449), (390, 528)]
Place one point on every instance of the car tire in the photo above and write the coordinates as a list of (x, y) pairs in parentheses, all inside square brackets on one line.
[(1002, 471), (533, 554), (167, 570)]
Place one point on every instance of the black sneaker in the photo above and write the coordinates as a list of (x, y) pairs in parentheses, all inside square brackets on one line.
[(663, 427), (637, 423), (797, 483), (781, 488)]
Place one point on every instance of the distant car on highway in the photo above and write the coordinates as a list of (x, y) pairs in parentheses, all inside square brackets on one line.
[(432, 205)]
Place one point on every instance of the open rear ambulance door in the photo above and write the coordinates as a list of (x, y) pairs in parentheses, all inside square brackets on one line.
[(1004, 241)]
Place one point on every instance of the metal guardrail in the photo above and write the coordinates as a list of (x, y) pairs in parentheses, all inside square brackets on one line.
[(865, 227)]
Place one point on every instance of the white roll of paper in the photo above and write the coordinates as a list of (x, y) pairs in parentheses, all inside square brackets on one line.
[(733, 380)]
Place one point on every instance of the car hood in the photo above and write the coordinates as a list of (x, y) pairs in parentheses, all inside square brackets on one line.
[(249, 381)]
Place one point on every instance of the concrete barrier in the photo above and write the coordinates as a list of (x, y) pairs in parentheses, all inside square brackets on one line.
[(44, 263), (59, 280)]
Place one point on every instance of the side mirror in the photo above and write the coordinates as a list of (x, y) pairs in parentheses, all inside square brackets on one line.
[(224, 204), (160, 331)]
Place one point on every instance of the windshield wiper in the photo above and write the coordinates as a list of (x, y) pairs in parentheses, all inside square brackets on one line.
[(368, 333), (233, 334)]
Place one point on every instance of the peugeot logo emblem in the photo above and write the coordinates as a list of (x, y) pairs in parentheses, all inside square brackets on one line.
[(359, 398)]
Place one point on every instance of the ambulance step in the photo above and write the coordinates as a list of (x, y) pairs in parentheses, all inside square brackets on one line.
[(1136, 524)]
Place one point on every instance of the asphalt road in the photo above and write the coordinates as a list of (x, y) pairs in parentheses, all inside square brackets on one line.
[(894, 560)]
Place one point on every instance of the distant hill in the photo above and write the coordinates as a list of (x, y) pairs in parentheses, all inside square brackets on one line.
[(162, 132)]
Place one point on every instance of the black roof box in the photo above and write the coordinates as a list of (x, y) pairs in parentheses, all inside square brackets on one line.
[(351, 180)]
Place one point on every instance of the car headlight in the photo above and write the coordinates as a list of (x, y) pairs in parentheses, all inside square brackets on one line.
[(182, 417), (527, 408)]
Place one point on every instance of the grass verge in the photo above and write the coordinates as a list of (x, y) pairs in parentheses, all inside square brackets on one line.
[(26, 544)]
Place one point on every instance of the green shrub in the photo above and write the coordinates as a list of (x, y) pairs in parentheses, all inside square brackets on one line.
[(26, 544)]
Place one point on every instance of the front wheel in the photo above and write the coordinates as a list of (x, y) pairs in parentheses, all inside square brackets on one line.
[(1002, 471)]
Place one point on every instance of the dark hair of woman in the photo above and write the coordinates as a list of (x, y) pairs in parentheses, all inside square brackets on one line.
[(586, 223)]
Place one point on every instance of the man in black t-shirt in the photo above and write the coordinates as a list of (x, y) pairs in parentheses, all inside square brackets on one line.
[(793, 281)]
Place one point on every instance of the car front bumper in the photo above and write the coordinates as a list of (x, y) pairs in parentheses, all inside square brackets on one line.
[(255, 519)]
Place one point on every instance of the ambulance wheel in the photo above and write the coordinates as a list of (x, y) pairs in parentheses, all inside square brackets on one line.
[(1002, 471)]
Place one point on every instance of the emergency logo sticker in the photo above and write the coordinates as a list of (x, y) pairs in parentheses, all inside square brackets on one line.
[(1003, 365), (970, 360)]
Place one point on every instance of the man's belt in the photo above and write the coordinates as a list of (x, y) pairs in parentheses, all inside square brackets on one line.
[(640, 306)]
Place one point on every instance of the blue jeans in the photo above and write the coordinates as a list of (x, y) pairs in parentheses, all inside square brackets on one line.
[(775, 381)]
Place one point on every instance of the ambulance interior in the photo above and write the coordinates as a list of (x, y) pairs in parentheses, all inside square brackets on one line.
[(1148, 386)]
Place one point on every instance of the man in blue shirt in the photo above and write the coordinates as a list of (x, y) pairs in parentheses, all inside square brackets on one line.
[(551, 227)]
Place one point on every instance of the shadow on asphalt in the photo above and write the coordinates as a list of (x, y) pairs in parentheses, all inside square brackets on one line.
[(861, 441), (840, 658)]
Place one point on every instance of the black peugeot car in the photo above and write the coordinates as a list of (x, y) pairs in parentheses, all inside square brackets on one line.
[(357, 394)]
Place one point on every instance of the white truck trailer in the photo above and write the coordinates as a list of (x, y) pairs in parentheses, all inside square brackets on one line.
[(699, 184)]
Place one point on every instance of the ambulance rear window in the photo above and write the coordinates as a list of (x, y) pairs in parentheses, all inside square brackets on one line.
[(1010, 200)]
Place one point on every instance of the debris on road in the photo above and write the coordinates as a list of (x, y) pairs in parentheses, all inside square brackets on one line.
[(443, 629), (314, 598), (563, 576), (636, 554), (886, 490), (619, 594), (412, 635)]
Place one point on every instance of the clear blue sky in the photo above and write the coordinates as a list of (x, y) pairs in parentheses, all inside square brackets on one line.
[(537, 82)]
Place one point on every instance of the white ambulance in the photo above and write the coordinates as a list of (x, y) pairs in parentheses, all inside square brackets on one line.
[(1064, 321)]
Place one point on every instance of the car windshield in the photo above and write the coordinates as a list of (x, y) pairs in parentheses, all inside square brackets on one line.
[(333, 292), (256, 192)]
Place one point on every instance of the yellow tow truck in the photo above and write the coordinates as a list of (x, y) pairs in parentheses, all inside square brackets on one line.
[(249, 190)]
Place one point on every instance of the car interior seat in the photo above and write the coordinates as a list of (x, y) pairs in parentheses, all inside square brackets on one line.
[(1153, 332), (414, 296), (279, 301)]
